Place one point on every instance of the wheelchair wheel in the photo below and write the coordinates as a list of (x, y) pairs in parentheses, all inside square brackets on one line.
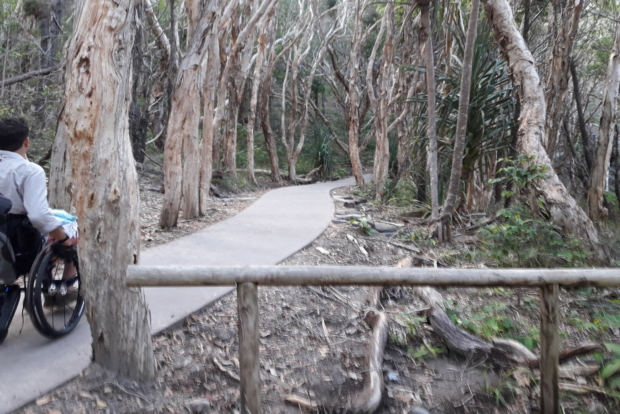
[(55, 306)]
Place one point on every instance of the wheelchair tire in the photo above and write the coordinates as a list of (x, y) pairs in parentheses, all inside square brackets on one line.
[(54, 313)]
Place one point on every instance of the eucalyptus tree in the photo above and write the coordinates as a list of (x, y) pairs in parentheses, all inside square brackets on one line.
[(235, 67), (602, 155), (563, 25), (105, 187), (182, 179), (352, 86), (463, 112), (296, 89), (381, 96), (426, 38), (561, 206)]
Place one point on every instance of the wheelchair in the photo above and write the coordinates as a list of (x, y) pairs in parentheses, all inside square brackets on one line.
[(55, 305)]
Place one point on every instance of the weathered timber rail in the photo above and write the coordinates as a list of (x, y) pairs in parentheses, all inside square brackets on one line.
[(247, 279)]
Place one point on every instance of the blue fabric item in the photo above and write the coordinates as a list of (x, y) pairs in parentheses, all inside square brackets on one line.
[(64, 217)]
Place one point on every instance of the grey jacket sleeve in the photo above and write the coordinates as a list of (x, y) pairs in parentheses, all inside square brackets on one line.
[(35, 202)]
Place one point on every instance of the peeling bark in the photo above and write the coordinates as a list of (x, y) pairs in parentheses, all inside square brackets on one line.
[(182, 135), (105, 193)]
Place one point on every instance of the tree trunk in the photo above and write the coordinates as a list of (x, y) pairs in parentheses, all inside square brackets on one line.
[(60, 181), (564, 22), (230, 137), (380, 97), (258, 69), (234, 72), (600, 165), (463, 113), (138, 122), (206, 146), (585, 138), (183, 127), (105, 193), (426, 37), (50, 29), (617, 167), (562, 208), (156, 101)]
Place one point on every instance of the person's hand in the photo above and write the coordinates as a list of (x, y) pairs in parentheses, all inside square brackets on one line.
[(63, 249)]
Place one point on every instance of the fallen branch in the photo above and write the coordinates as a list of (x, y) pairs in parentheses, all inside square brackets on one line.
[(308, 178), (151, 159), (301, 402), (580, 389), (569, 353), (28, 75)]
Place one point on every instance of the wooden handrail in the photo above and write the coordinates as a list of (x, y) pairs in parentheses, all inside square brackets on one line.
[(357, 275), (247, 279)]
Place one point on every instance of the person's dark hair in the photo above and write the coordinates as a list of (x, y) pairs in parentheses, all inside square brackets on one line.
[(13, 133)]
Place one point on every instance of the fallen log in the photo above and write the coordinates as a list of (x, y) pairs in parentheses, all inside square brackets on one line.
[(461, 341), (307, 178)]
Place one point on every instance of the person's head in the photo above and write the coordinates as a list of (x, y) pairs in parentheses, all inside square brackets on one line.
[(13, 133)]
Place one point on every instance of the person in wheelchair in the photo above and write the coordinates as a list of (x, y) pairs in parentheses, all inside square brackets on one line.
[(30, 219)]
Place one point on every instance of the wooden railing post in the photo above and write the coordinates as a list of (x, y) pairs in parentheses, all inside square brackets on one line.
[(549, 349), (249, 362)]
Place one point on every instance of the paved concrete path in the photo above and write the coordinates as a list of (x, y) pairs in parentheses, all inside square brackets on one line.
[(276, 226)]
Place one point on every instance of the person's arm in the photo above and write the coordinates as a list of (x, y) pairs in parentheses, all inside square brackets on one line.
[(34, 194)]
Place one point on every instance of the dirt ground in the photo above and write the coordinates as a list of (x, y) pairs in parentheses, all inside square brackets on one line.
[(313, 339)]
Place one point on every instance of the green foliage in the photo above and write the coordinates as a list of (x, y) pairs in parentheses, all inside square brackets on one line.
[(364, 227), (598, 324), (321, 151), (424, 350), (232, 185), (610, 371), (340, 173), (518, 240), (493, 320), (491, 108), (403, 194), (505, 389), (518, 174)]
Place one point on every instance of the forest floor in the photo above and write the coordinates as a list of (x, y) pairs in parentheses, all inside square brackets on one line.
[(314, 339)]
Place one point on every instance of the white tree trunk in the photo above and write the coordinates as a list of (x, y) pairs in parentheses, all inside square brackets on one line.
[(253, 102), (602, 155), (562, 207), (105, 191), (206, 146)]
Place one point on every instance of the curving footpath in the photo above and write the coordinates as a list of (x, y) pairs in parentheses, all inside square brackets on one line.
[(276, 226)]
